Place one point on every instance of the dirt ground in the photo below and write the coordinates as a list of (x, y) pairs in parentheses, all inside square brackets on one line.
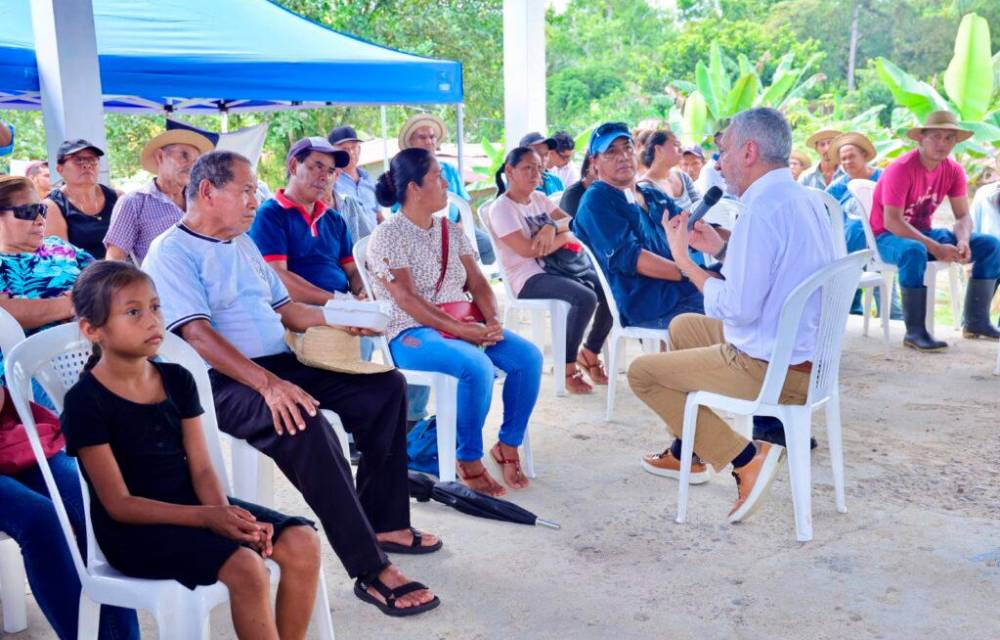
[(916, 556)]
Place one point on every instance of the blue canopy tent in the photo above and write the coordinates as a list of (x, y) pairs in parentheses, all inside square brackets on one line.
[(198, 56)]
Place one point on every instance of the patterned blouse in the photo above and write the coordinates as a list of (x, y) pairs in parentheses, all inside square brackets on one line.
[(400, 244), (48, 272)]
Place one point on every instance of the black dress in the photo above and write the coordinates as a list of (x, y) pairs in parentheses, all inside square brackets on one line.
[(82, 229), (147, 442)]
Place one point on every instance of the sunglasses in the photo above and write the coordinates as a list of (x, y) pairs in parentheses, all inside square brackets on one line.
[(28, 212)]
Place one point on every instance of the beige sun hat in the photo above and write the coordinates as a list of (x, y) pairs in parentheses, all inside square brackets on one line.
[(802, 157), (939, 120), (859, 140), (415, 122), (821, 135), (173, 136), (331, 349)]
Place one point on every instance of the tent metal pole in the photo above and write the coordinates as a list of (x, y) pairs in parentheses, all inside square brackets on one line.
[(460, 139), (224, 122), (385, 139)]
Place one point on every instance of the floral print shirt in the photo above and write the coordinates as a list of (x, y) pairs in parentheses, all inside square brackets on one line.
[(400, 244), (50, 271)]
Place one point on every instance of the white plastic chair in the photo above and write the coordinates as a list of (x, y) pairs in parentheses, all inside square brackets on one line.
[(864, 191), (724, 213), (55, 358), (12, 576), (835, 284), (558, 311), (869, 279), (555, 197), (445, 390), (649, 338), (464, 215)]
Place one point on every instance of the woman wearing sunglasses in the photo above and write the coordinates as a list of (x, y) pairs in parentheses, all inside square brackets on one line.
[(36, 271), (80, 210)]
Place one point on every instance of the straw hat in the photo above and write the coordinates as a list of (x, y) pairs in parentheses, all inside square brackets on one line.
[(939, 120), (173, 136), (331, 349), (803, 159), (415, 122), (821, 135), (858, 140)]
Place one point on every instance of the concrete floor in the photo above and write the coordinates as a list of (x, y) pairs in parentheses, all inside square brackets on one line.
[(916, 556)]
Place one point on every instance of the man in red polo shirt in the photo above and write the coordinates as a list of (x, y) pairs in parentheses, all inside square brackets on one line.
[(307, 243)]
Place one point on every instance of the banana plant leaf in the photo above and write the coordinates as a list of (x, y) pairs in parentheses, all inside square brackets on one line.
[(780, 86), (968, 80), (721, 85), (743, 94), (695, 118), (707, 90), (916, 95)]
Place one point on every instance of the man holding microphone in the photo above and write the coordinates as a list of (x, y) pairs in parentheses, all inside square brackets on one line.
[(782, 238)]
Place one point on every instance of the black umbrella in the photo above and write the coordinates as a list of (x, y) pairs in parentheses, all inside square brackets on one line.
[(461, 497)]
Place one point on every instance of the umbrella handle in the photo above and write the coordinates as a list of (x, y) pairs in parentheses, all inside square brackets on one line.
[(548, 523)]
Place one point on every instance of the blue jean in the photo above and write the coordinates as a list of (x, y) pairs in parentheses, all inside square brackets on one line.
[(28, 516), (854, 236), (485, 249), (911, 257), (693, 303), (425, 349)]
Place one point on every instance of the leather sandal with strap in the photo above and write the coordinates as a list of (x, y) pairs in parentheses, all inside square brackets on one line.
[(389, 607), (497, 454), (576, 385), (595, 371), (416, 546), (476, 476)]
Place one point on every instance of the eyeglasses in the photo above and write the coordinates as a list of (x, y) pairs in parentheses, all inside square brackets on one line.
[(28, 211), (83, 161)]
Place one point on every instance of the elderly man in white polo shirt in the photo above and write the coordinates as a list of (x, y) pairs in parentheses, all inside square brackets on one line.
[(218, 293), (782, 238)]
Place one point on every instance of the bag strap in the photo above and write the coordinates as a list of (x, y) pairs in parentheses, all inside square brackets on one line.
[(444, 257)]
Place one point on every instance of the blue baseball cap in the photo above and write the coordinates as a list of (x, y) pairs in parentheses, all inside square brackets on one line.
[(604, 135)]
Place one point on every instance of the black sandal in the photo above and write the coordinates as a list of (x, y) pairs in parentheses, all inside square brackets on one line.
[(389, 607), (414, 548)]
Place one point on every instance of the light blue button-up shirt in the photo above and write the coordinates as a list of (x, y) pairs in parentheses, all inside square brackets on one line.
[(781, 238)]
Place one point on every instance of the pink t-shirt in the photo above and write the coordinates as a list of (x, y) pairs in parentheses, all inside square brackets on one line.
[(507, 217), (907, 184)]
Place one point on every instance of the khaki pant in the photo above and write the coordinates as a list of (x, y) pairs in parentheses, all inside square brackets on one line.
[(699, 359)]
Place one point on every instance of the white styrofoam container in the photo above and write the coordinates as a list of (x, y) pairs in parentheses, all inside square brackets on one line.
[(365, 314)]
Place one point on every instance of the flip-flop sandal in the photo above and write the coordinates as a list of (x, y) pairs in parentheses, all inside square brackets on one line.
[(416, 546), (389, 607)]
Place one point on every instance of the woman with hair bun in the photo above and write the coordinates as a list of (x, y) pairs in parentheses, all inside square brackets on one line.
[(444, 316)]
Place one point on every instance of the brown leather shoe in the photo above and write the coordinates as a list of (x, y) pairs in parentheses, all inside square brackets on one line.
[(666, 465), (754, 479)]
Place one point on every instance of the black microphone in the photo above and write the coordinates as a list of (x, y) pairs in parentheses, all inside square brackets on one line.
[(714, 195)]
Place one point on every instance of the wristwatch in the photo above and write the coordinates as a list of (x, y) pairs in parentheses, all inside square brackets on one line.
[(722, 252)]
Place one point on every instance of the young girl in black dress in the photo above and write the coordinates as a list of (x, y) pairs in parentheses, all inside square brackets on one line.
[(157, 506)]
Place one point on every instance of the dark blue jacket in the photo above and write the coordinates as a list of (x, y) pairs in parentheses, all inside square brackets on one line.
[(616, 231)]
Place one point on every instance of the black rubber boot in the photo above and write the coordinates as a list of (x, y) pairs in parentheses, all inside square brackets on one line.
[(914, 315), (976, 314)]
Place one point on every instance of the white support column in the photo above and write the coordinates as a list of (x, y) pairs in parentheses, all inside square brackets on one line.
[(523, 68), (460, 139), (69, 75)]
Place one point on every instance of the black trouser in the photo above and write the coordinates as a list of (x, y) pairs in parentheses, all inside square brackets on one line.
[(583, 300), (373, 409)]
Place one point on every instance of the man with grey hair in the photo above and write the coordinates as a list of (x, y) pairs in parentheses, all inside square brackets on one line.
[(782, 238), (218, 293)]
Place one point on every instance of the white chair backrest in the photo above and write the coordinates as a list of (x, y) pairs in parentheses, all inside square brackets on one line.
[(836, 284), (864, 193), (360, 253), (836, 215), (465, 215), (556, 197), (608, 295), (483, 213), (10, 332), (55, 357), (724, 213)]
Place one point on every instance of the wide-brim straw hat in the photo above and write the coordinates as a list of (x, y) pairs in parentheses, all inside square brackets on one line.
[(801, 156), (821, 135), (173, 136), (859, 140), (415, 122), (331, 349), (940, 120)]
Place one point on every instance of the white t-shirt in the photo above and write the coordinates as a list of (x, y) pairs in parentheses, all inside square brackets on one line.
[(507, 217), (225, 282)]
